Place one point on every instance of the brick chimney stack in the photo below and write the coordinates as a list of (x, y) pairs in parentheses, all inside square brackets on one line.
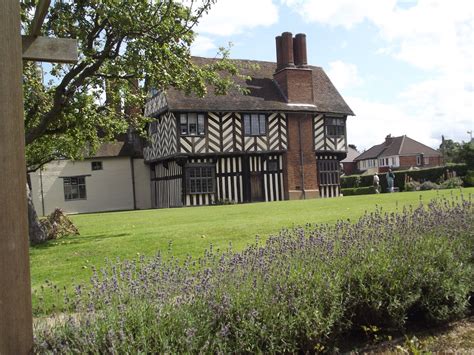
[(295, 81), (292, 74)]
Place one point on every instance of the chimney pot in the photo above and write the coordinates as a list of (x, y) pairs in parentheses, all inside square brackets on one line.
[(278, 41), (300, 55), (287, 50)]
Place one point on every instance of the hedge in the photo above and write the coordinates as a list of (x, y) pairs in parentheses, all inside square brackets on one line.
[(358, 191), (431, 174)]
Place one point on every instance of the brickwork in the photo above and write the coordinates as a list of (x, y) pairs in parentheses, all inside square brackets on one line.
[(296, 84), (408, 161), (293, 167)]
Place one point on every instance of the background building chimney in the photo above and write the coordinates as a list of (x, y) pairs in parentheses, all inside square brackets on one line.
[(299, 48)]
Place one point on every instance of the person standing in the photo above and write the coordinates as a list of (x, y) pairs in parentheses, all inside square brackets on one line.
[(390, 180), (376, 183)]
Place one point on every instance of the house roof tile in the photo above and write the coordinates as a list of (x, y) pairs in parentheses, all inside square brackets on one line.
[(402, 145), (264, 94)]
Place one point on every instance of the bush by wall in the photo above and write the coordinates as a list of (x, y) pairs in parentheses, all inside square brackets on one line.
[(358, 191), (422, 175), (469, 178), (297, 293)]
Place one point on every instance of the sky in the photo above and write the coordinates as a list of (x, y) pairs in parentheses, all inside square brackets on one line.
[(404, 67)]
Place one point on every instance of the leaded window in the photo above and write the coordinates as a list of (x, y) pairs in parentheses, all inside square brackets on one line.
[(96, 165), (74, 188), (272, 165), (200, 179), (192, 124), (255, 124), (335, 127)]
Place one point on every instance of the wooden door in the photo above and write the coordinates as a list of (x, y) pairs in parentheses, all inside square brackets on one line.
[(256, 187)]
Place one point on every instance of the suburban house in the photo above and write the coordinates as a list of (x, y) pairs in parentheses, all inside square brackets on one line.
[(284, 139), (349, 166), (398, 153)]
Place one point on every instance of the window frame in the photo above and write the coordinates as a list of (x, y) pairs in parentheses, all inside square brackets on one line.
[(199, 133), (250, 120), (419, 160), (67, 185), (100, 164), (209, 177), (334, 123)]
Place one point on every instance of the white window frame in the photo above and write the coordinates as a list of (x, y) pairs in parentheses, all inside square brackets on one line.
[(72, 188)]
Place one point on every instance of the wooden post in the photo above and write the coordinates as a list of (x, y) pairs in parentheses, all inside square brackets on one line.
[(16, 334)]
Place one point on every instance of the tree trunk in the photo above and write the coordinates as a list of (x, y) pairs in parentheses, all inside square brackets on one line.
[(36, 231)]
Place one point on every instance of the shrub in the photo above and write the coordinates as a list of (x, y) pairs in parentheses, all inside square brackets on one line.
[(430, 174), (296, 293), (412, 186), (358, 191), (452, 183), (469, 178), (428, 185)]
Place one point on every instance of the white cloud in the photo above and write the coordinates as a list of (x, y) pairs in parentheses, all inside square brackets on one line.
[(202, 45), (346, 13), (228, 17), (344, 75), (435, 36), (375, 120), (420, 113)]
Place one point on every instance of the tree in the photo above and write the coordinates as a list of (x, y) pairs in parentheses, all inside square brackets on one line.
[(455, 152), (450, 150), (121, 43), (466, 154)]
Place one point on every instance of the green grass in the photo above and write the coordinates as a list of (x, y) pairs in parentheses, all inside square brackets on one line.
[(191, 230)]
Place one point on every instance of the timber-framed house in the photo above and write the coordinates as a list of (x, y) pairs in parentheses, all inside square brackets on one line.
[(283, 140)]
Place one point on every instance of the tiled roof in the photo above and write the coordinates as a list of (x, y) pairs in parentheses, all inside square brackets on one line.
[(411, 146), (264, 94), (351, 155), (371, 153), (402, 145), (119, 149)]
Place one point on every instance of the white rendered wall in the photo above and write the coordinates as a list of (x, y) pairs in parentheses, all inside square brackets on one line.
[(142, 184), (107, 189)]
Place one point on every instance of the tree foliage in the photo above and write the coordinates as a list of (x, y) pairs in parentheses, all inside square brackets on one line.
[(121, 43), (450, 150), (455, 152)]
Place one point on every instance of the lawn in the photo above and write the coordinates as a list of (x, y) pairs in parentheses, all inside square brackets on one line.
[(191, 230)]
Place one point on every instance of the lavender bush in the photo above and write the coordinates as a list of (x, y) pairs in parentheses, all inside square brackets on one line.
[(296, 292)]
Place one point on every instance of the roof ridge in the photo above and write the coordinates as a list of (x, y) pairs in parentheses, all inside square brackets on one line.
[(401, 144)]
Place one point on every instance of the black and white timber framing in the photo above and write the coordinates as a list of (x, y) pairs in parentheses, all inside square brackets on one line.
[(323, 142), (245, 168), (328, 164)]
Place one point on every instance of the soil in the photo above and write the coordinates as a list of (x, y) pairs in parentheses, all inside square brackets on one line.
[(453, 338)]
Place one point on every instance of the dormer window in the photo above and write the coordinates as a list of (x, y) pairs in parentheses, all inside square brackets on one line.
[(335, 127), (192, 124)]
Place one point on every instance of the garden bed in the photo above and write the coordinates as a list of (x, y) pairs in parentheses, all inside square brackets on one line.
[(301, 290)]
